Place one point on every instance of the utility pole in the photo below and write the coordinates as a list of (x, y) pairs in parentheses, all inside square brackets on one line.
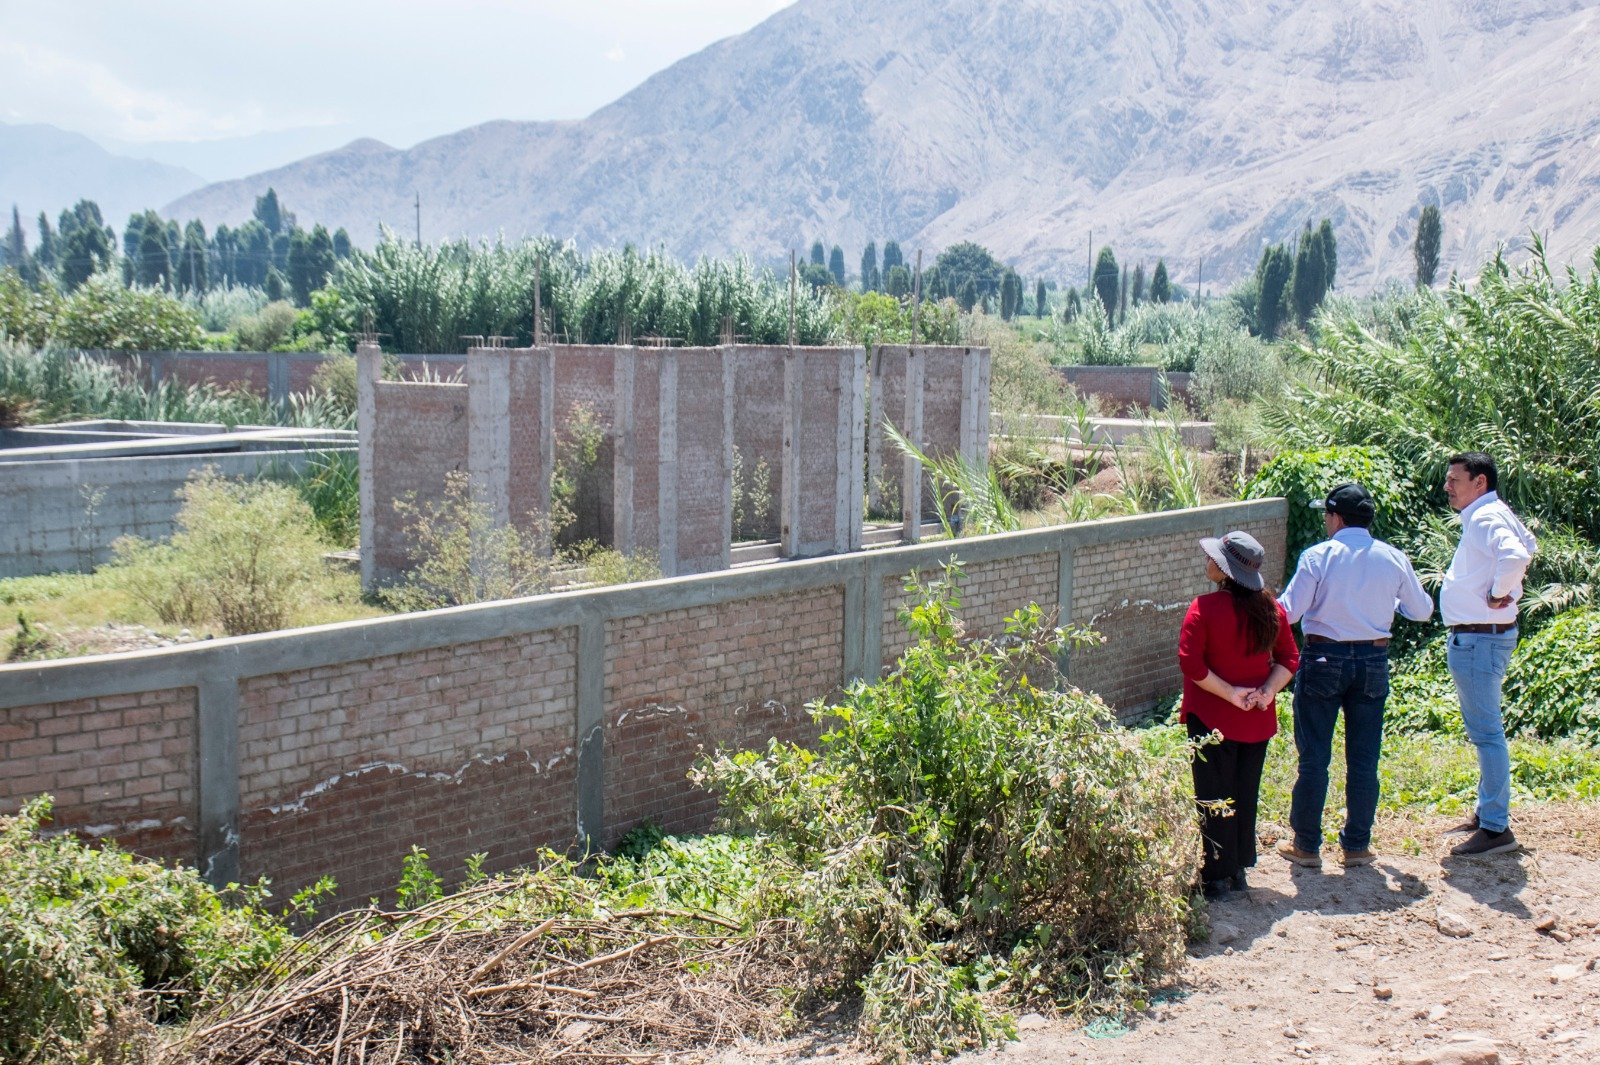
[(794, 279), (538, 318), (916, 299), (1200, 280), (419, 219), (1088, 281)]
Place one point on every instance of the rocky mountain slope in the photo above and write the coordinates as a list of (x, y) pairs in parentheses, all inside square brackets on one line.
[(43, 168), (1190, 129)]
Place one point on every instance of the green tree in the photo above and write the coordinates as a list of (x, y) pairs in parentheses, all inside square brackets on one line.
[(151, 265), (269, 212), (275, 286), (896, 280), (88, 245), (965, 262), (1330, 253), (311, 260), (1105, 280), (816, 275), (253, 254), (1137, 293), (836, 265), (1041, 299), (1273, 275), (933, 284), (1426, 248), (1309, 283), (1010, 295), (819, 254), (892, 256), (193, 260), (46, 255), (968, 295), (14, 251), (870, 282), (1072, 306), (1160, 286), (1122, 299), (341, 243)]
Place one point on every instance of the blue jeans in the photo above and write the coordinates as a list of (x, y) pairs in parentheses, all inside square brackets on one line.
[(1478, 662), (1335, 677)]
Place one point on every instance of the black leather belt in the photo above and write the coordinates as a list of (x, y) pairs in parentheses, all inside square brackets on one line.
[(1490, 627)]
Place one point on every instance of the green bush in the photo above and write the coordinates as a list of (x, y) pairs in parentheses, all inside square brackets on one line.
[(246, 555), (336, 378), (1302, 477), (102, 313), (95, 944), (267, 328), (967, 823), (1553, 685)]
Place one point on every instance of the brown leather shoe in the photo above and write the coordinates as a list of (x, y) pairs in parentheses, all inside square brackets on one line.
[(1291, 853), (1364, 856)]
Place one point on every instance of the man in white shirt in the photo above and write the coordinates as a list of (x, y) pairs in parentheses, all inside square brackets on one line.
[(1344, 594), (1479, 604)]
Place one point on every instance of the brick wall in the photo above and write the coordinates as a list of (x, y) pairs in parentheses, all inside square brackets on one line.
[(758, 425), (120, 767), (455, 749), (505, 727), (419, 438), (694, 680)]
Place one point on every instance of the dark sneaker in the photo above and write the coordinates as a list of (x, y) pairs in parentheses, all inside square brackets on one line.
[(1291, 853), (1364, 856), (1240, 882), (1485, 842), (1465, 828)]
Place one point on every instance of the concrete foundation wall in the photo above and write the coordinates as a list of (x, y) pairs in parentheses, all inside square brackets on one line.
[(1127, 390), (418, 437), (551, 721), (64, 514)]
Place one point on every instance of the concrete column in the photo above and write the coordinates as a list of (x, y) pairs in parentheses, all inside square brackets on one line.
[(667, 481), (728, 377), (217, 714), (911, 474), (489, 430), (851, 435), (591, 738), (624, 529), (1064, 605), (369, 368), (278, 378), (789, 505)]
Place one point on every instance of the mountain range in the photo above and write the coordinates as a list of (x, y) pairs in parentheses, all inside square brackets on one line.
[(43, 168), (1193, 130)]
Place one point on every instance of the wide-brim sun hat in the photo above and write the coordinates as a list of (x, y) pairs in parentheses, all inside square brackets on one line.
[(1239, 555)]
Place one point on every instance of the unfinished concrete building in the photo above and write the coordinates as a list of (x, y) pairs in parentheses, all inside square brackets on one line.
[(684, 433)]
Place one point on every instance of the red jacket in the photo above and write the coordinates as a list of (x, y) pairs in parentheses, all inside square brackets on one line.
[(1212, 640)]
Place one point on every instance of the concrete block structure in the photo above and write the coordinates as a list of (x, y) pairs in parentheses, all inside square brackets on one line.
[(938, 398), (71, 490), (674, 424)]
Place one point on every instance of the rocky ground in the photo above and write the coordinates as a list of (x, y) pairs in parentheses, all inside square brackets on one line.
[(1415, 959)]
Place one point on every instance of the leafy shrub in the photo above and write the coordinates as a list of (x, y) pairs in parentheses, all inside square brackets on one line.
[(26, 312), (714, 873), (222, 307), (963, 815), (95, 943), (267, 328), (246, 555), (1553, 685), (102, 313), (336, 378), (1303, 477), (1236, 366), (1103, 344), (331, 487)]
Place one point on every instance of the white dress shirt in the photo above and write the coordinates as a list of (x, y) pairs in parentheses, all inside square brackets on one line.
[(1349, 586), (1490, 560)]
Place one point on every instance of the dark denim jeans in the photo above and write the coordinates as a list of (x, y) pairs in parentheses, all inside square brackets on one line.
[(1335, 677)]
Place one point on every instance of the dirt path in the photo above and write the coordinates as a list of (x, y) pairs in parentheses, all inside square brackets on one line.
[(1412, 959)]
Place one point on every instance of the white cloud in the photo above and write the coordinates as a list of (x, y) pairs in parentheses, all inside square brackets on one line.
[(616, 55)]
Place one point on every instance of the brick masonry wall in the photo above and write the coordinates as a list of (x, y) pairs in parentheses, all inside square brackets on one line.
[(758, 424), (458, 731), (421, 437), (701, 488), (248, 372), (120, 767), (728, 675), (1135, 593), (455, 749)]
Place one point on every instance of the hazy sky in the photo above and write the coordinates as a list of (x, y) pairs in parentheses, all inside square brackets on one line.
[(398, 70)]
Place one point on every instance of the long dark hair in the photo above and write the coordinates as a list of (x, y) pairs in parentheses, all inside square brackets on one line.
[(1257, 611)]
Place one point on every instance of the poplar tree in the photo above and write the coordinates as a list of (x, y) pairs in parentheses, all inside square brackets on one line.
[(819, 254), (1160, 286), (1041, 299), (1426, 248), (1330, 253), (1138, 284), (1105, 281), (1273, 275), (891, 256), (870, 281), (836, 265)]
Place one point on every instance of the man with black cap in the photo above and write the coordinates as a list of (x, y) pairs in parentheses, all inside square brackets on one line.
[(1344, 594)]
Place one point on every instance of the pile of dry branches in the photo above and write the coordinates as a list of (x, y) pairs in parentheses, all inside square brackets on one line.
[(471, 980)]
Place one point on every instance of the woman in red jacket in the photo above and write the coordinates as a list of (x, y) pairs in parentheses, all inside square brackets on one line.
[(1236, 652)]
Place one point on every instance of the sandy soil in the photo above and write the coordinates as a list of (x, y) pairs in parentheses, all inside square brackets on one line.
[(1417, 958)]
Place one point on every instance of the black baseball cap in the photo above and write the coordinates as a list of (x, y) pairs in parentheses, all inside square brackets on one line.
[(1348, 500)]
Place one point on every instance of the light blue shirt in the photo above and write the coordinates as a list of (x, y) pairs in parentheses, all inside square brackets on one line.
[(1349, 586)]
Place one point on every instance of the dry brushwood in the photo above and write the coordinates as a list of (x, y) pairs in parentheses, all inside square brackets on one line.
[(457, 981)]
